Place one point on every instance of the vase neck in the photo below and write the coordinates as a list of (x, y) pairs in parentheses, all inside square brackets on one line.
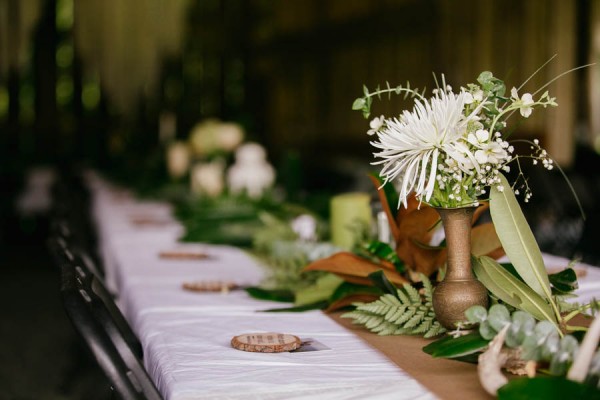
[(457, 228)]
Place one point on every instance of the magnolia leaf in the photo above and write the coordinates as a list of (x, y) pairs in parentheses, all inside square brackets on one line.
[(450, 347), (511, 290), (564, 281), (384, 252), (547, 388), (414, 227), (285, 296), (485, 241), (517, 239), (380, 281), (348, 266), (348, 293), (317, 305)]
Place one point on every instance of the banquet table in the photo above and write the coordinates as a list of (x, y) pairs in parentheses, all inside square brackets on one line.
[(186, 335)]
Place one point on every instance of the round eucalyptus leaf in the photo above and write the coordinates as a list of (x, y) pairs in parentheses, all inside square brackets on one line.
[(513, 335), (487, 331), (498, 317), (523, 318), (543, 329), (531, 349), (559, 362), (550, 346), (569, 344), (476, 314)]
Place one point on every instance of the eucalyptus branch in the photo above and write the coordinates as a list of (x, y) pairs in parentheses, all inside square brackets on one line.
[(364, 103)]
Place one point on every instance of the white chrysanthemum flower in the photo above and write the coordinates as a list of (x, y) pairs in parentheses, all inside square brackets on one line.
[(410, 146)]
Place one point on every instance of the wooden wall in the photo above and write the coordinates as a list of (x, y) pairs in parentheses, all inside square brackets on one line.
[(310, 58)]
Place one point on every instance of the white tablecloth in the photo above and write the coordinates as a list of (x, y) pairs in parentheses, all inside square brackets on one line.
[(186, 335)]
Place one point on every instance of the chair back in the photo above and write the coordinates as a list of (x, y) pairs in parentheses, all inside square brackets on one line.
[(103, 335)]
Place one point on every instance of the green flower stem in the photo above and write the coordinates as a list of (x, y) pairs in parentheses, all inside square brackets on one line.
[(578, 311), (575, 328)]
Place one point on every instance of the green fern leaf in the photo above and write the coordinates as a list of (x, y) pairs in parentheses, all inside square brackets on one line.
[(408, 313)]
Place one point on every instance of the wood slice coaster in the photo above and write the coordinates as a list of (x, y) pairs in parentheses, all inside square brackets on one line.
[(183, 255), (149, 221), (269, 342), (209, 286)]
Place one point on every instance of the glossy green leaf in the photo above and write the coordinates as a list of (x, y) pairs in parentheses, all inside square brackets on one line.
[(547, 388), (317, 305), (517, 239), (271, 294), (384, 251), (347, 289), (511, 290), (450, 347), (382, 282), (564, 281)]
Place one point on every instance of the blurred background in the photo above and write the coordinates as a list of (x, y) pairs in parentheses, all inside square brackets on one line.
[(108, 83)]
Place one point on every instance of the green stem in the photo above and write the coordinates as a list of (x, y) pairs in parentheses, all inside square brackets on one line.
[(576, 328), (396, 90)]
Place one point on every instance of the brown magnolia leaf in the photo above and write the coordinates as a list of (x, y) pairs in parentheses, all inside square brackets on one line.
[(484, 240), (353, 268), (483, 207), (351, 299), (415, 230)]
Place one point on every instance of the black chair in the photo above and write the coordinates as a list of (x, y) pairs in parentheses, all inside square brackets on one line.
[(86, 268), (98, 327)]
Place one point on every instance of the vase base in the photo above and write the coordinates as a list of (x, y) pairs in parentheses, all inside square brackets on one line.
[(452, 298)]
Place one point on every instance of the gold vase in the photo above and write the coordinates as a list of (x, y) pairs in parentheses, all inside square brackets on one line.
[(460, 289)]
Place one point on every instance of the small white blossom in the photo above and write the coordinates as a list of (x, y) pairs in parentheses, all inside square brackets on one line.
[(376, 124), (469, 98), (525, 102)]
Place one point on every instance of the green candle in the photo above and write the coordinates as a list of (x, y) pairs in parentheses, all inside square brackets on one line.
[(349, 211)]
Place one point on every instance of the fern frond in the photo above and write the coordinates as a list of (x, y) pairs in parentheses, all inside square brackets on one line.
[(408, 313)]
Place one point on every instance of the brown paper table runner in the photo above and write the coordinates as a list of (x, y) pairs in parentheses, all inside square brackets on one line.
[(447, 379)]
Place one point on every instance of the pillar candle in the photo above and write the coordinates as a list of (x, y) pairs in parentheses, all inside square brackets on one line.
[(346, 212)]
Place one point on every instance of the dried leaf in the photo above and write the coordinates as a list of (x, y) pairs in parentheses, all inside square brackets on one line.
[(485, 241), (355, 269)]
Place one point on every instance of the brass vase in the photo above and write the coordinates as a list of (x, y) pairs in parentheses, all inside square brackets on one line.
[(460, 289)]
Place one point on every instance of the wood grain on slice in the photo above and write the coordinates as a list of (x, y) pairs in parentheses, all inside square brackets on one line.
[(209, 286), (269, 342), (183, 255)]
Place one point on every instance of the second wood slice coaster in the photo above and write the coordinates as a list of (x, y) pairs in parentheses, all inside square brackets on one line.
[(183, 255), (269, 342)]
